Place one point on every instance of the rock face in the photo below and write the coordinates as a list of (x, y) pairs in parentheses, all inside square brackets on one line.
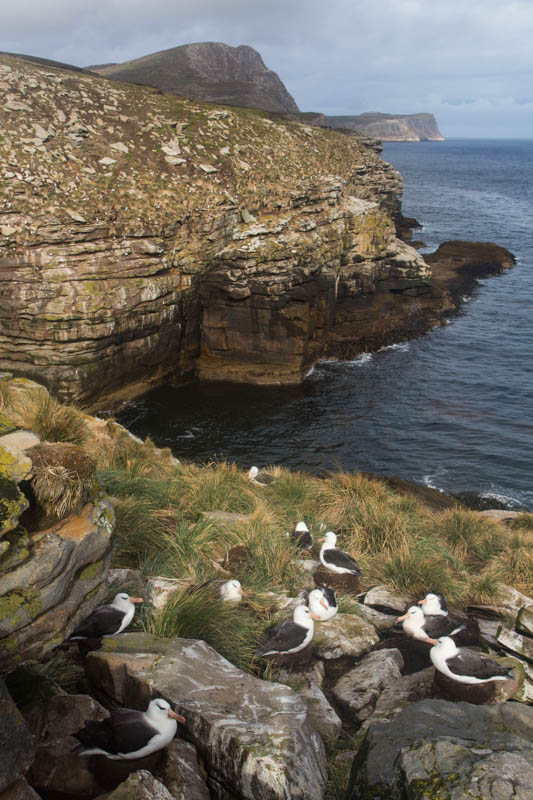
[(254, 736), (454, 750), (16, 742), (210, 71), (392, 127), (145, 238)]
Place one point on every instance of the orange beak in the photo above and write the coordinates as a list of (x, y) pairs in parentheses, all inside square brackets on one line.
[(314, 616), (240, 591), (136, 600), (178, 717), (401, 619), (324, 604), (322, 539), (421, 602), (431, 641)]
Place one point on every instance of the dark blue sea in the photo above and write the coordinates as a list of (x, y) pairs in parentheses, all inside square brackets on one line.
[(452, 410)]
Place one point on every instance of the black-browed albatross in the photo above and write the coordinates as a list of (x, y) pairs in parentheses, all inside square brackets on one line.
[(425, 628), (337, 560), (289, 637), (128, 734), (322, 603), (465, 666), (107, 620), (261, 478), (301, 536)]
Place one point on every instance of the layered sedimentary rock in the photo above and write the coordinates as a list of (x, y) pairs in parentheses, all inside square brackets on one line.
[(392, 127), (211, 71), (130, 222)]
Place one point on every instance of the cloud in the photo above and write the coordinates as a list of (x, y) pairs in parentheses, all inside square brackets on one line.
[(342, 56)]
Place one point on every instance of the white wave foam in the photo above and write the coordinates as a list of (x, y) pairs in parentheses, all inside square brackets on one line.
[(501, 498), (360, 361), (398, 346)]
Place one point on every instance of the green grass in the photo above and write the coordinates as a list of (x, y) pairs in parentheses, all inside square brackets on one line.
[(53, 422)]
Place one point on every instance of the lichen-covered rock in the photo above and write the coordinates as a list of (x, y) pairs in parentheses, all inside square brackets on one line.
[(17, 747), (58, 582), (524, 621), (139, 786), (522, 646), (254, 736), (359, 689), (434, 748), (344, 635), (13, 502)]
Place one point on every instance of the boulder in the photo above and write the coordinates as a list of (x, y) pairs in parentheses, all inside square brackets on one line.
[(17, 747), (506, 606), (322, 715), (255, 737), (57, 584), (139, 786), (383, 599), (520, 645), (56, 768), (450, 750), (344, 635), (180, 772), (359, 689)]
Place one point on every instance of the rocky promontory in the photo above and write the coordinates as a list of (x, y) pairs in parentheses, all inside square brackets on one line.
[(392, 127)]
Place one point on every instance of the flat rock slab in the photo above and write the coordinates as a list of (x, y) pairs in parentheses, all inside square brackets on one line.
[(344, 635), (459, 749), (180, 772), (20, 790), (524, 621), (255, 737), (380, 597)]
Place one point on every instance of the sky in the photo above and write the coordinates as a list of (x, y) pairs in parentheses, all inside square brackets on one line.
[(469, 62)]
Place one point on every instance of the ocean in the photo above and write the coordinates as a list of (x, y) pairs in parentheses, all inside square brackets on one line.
[(452, 410)]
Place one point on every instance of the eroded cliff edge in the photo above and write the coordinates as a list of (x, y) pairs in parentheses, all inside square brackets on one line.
[(146, 238)]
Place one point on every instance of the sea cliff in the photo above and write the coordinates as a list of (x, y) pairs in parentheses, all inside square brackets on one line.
[(392, 127)]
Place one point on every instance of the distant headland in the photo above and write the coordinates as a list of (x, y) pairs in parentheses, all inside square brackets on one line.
[(392, 127)]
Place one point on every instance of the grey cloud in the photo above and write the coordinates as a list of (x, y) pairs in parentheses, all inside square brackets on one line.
[(342, 56)]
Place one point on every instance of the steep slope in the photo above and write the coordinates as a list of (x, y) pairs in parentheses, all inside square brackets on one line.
[(210, 71), (392, 127)]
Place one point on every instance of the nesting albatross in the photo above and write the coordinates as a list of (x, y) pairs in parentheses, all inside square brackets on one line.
[(437, 614), (261, 478), (322, 603), (107, 620), (337, 560), (289, 637), (465, 666), (424, 628), (130, 734), (301, 536)]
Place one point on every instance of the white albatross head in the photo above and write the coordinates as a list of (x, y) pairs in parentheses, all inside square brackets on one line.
[(302, 615), (445, 647), (159, 711), (330, 540), (252, 472), (434, 603), (232, 591), (301, 527), (413, 615), (123, 601)]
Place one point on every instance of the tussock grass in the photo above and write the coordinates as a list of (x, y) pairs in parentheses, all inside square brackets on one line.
[(232, 630), (53, 422)]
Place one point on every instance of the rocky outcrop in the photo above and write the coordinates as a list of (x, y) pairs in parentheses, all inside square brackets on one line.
[(254, 736), (392, 127), (449, 750), (55, 544), (210, 71)]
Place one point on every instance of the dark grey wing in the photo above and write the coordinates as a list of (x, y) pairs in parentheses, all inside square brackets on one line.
[(329, 594), (436, 626), (103, 621), (342, 559), (282, 638), (264, 478), (130, 729), (476, 665), (302, 539)]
